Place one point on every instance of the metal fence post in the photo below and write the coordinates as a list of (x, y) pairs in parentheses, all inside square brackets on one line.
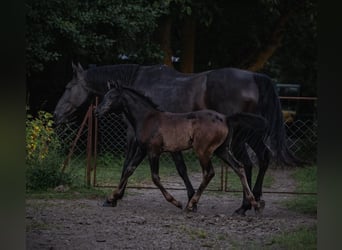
[(89, 144)]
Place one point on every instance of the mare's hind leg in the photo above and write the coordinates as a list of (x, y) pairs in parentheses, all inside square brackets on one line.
[(263, 155), (208, 174), (133, 164), (182, 171), (154, 164)]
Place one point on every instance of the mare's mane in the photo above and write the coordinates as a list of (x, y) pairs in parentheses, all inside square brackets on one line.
[(96, 78)]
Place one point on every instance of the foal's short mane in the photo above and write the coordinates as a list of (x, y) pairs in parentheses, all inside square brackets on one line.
[(143, 97)]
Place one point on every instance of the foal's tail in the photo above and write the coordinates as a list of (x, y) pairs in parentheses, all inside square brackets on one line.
[(247, 127), (248, 121)]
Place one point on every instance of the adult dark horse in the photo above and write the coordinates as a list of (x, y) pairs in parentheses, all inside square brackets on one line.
[(225, 90), (205, 131)]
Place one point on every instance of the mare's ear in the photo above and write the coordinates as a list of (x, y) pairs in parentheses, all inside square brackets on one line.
[(111, 84), (79, 66), (77, 70), (118, 84)]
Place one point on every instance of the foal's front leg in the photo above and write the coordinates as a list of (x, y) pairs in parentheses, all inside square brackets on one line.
[(133, 164), (154, 164), (131, 157), (132, 152)]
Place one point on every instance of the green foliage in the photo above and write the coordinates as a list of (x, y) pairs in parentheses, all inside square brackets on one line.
[(40, 137), (46, 175), (42, 154), (99, 30)]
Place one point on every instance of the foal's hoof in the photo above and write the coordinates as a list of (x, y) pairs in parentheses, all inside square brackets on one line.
[(239, 212), (108, 203), (259, 210), (193, 208), (179, 205)]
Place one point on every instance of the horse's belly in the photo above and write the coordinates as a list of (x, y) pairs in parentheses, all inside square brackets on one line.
[(178, 143), (177, 138)]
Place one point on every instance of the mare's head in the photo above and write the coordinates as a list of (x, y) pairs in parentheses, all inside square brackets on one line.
[(112, 100), (73, 98)]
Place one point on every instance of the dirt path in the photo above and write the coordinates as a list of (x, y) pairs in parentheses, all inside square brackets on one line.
[(144, 220)]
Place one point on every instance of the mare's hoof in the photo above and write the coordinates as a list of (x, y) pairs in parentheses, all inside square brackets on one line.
[(108, 203)]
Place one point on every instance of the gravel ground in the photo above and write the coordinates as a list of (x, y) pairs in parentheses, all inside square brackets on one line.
[(144, 220)]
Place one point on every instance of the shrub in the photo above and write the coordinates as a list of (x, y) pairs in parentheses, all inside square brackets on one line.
[(42, 154)]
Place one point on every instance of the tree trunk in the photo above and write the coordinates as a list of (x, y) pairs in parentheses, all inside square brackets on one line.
[(164, 38), (188, 45), (258, 61)]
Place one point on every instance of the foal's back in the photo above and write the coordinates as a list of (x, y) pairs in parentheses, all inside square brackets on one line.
[(203, 130)]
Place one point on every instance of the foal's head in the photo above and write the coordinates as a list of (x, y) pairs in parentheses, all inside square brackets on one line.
[(112, 100)]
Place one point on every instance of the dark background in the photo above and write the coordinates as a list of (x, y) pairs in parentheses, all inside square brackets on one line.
[(278, 38)]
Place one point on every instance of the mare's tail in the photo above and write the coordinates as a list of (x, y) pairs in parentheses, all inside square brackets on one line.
[(270, 108)]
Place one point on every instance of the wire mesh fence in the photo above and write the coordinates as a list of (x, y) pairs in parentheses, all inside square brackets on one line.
[(112, 145)]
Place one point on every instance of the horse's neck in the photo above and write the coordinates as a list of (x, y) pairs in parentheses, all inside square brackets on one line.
[(136, 111)]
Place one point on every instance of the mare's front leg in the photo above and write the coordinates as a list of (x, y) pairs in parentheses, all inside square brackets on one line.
[(129, 170), (182, 171), (208, 174), (154, 164)]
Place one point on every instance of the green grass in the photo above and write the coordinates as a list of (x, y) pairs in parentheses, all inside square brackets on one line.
[(72, 193), (302, 238), (306, 179), (194, 233), (108, 173)]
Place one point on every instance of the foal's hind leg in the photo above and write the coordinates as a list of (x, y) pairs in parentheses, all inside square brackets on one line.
[(154, 164), (239, 169), (182, 171), (243, 155), (208, 174)]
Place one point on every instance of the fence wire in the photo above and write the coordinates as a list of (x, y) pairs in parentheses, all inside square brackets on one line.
[(112, 146)]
